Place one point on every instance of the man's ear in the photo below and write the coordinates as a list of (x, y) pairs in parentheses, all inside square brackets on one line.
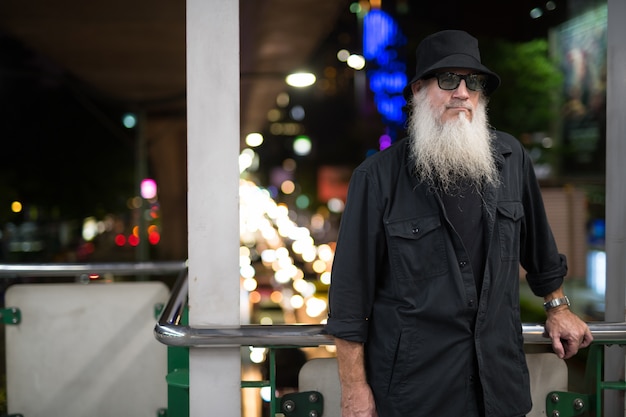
[(416, 86)]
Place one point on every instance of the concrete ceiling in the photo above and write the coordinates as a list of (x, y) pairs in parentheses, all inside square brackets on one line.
[(134, 51)]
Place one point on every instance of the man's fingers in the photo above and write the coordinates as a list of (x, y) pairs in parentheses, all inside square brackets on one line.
[(587, 339), (571, 348), (557, 346)]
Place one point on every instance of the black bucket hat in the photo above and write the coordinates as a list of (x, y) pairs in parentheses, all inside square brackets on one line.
[(449, 49)]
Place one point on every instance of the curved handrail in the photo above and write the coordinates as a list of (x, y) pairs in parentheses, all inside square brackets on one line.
[(301, 335), (169, 331)]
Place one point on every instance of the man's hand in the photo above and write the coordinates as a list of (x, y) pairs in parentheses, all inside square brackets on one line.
[(567, 331), (357, 400)]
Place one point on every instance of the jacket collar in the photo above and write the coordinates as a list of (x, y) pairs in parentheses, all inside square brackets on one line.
[(501, 150)]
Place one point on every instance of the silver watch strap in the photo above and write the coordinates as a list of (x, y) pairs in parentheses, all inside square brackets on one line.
[(556, 302)]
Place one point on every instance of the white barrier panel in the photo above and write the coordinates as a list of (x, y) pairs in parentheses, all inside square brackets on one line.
[(86, 350), (547, 373), (322, 375)]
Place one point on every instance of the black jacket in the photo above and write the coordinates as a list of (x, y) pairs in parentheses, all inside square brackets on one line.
[(402, 283)]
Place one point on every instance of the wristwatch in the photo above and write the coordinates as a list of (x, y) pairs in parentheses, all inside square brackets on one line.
[(556, 302)]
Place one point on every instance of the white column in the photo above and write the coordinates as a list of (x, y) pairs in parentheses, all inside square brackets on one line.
[(615, 196), (213, 175)]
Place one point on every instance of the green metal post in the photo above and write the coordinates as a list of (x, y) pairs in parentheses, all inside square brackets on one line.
[(178, 378), (274, 402)]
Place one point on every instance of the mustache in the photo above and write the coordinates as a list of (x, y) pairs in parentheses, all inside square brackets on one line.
[(460, 103)]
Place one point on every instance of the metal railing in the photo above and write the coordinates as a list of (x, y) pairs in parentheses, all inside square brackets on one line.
[(79, 269), (169, 331)]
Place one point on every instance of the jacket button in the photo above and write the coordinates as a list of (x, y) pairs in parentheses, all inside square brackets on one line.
[(463, 264), (470, 303), (415, 230)]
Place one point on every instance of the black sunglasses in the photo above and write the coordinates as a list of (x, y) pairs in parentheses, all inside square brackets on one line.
[(451, 81)]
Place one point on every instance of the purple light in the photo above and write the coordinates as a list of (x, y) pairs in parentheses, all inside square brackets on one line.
[(148, 189), (384, 141)]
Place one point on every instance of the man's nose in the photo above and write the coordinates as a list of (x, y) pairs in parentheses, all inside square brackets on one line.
[(461, 91)]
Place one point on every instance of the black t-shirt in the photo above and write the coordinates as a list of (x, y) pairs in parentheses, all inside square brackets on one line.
[(464, 209)]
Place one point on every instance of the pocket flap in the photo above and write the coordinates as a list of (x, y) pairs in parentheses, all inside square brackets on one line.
[(511, 209), (413, 228)]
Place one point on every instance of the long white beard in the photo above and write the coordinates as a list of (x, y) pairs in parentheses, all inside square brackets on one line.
[(454, 154)]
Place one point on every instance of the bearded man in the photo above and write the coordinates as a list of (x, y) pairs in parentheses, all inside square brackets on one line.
[(424, 296)]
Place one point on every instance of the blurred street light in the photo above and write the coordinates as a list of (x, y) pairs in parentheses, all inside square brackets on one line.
[(300, 79)]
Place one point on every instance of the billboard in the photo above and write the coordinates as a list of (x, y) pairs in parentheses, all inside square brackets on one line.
[(580, 46)]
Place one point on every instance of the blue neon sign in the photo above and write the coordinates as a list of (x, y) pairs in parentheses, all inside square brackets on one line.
[(382, 38)]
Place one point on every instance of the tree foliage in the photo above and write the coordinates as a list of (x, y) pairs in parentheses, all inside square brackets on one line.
[(529, 96)]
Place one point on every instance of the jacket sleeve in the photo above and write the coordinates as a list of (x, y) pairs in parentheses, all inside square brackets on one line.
[(545, 267), (360, 246)]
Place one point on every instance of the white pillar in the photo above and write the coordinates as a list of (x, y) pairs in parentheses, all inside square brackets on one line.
[(615, 196), (213, 211)]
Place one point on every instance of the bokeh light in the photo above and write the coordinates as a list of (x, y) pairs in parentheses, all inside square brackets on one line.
[(148, 188), (302, 145), (129, 120), (16, 207), (300, 79), (254, 139)]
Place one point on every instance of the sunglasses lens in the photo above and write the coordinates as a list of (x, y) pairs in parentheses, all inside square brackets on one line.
[(475, 82), (448, 81), (451, 81)]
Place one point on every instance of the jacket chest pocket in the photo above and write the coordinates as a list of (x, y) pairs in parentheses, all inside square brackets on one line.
[(417, 248), (510, 215)]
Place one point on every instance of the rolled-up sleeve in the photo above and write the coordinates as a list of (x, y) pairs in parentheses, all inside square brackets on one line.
[(360, 247), (545, 267)]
